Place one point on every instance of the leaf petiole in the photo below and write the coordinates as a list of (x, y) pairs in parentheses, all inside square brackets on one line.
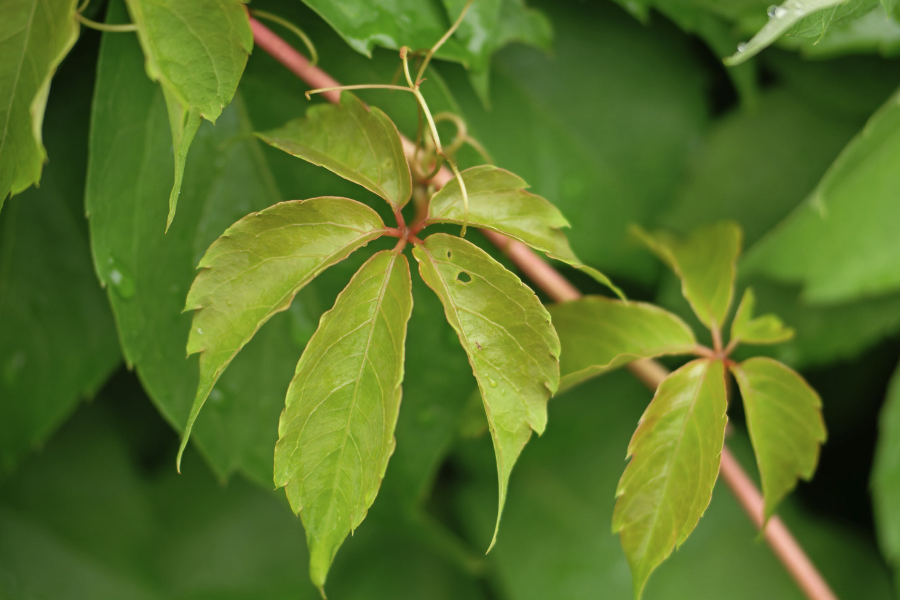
[(361, 86), (103, 26)]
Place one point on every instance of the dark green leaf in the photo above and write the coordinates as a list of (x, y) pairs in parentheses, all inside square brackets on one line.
[(358, 143), (785, 421), (841, 245), (257, 267), (675, 455), (196, 51), (599, 334), (886, 476), (337, 430), (705, 262), (765, 329), (34, 38), (506, 332), (498, 201)]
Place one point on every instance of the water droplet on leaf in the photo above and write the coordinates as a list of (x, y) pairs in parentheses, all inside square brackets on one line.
[(491, 382), (120, 279), (742, 47)]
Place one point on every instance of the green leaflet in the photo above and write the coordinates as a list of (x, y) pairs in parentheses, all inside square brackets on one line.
[(675, 461), (507, 335), (598, 334), (705, 262), (34, 38), (785, 421), (886, 476), (842, 244), (336, 433), (332, 136), (765, 329), (782, 19), (498, 201), (257, 267), (196, 51)]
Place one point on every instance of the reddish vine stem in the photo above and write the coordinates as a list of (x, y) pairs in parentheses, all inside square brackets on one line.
[(548, 279)]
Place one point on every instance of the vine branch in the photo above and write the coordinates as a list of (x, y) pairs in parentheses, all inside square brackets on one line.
[(557, 287)]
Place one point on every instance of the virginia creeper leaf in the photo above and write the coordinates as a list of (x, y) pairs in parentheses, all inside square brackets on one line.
[(507, 335), (358, 143), (705, 262), (782, 19), (257, 267), (336, 433), (765, 329), (196, 51), (675, 455), (842, 243), (886, 475), (784, 417), (498, 201), (598, 334), (34, 38)]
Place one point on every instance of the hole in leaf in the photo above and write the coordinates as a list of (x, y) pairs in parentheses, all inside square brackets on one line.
[(464, 277), (449, 254)]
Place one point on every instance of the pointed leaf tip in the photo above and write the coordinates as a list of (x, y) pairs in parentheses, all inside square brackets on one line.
[(765, 329)]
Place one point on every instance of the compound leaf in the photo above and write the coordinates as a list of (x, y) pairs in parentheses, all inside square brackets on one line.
[(599, 334), (705, 262), (358, 143), (765, 329), (197, 52), (257, 267), (34, 38), (498, 201), (841, 245), (336, 433), (675, 461), (507, 335), (785, 421)]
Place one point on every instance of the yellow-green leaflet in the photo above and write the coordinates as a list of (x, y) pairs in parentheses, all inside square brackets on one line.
[(506, 332), (765, 329), (34, 38), (784, 416), (675, 454), (336, 433), (257, 267)]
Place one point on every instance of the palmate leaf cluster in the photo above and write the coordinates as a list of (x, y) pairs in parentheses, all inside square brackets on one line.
[(828, 269)]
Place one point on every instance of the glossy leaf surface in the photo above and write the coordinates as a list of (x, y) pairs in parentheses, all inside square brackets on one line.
[(765, 329), (336, 433), (785, 421), (705, 262), (841, 245), (599, 334), (35, 36), (358, 143), (196, 51), (257, 267), (498, 201), (675, 454), (507, 335)]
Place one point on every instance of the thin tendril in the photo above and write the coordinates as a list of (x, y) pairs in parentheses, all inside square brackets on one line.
[(480, 150), (465, 195), (441, 41), (83, 6), (313, 55), (404, 51), (364, 86), (461, 130), (103, 26)]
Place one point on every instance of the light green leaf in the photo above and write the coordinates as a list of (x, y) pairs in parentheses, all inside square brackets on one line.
[(34, 38), (842, 244), (782, 19), (675, 461), (358, 143), (196, 51), (784, 417), (599, 334), (886, 476), (765, 329), (705, 262), (506, 332), (257, 267), (336, 433), (498, 201)]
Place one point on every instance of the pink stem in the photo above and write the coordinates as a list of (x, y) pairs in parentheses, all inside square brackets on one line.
[(650, 372)]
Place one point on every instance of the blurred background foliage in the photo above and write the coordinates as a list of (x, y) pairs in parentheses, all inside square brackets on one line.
[(624, 114)]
